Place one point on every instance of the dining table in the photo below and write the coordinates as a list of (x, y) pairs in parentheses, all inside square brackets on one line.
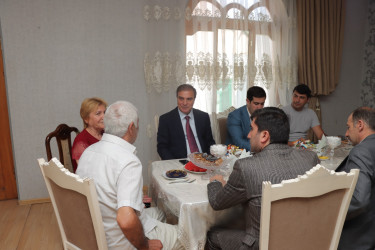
[(188, 201), (340, 153)]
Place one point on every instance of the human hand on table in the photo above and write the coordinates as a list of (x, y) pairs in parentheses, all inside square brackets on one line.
[(218, 178)]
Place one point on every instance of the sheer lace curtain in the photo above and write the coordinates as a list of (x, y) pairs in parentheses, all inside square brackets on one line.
[(163, 63), (233, 45), (164, 60), (222, 47)]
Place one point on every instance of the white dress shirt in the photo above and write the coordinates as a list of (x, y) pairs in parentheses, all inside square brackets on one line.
[(117, 173), (249, 114)]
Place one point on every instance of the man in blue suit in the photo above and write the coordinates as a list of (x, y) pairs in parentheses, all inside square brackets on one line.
[(359, 227), (238, 122), (172, 138)]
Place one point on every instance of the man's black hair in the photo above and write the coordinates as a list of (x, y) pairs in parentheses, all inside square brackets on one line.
[(365, 114), (255, 91), (273, 120), (303, 89)]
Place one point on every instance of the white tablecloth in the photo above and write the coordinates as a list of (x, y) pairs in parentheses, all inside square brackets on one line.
[(187, 201), (340, 153)]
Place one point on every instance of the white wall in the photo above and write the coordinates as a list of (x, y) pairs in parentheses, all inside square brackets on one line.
[(337, 106), (56, 53)]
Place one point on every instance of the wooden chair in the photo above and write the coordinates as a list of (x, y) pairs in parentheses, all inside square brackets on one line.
[(76, 207), (222, 124), (314, 104), (63, 137), (307, 212)]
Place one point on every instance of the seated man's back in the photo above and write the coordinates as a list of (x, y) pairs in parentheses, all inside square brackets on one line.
[(106, 162), (273, 161), (117, 173)]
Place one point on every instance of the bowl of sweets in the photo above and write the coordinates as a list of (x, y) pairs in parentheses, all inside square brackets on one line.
[(212, 163)]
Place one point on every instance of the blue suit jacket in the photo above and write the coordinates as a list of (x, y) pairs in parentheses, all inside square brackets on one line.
[(171, 142), (238, 127), (359, 227)]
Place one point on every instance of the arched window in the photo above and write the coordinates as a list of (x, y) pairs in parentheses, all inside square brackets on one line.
[(233, 45)]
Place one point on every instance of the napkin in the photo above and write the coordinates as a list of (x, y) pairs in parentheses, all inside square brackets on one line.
[(218, 150), (245, 154)]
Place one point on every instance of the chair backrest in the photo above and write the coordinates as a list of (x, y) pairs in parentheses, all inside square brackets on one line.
[(314, 104), (221, 119), (76, 207), (222, 123), (307, 212), (63, 137)]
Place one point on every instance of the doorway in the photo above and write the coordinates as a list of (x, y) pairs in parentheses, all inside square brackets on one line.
[(8, 187)]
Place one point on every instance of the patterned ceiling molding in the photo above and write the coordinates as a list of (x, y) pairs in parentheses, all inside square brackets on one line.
[(158, 13)]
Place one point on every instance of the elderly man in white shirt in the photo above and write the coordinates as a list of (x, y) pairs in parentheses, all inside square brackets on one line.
[(117, 173)]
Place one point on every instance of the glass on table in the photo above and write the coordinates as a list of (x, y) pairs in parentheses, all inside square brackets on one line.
[(333, 142)]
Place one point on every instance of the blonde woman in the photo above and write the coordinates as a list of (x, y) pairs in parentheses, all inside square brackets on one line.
[(92, 113)]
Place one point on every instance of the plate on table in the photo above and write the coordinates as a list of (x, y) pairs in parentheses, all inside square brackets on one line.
[(175, 174), (191, 168)]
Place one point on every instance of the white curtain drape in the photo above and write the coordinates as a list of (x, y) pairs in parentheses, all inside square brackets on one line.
[(221, 47), (233, 45), (163, 63)]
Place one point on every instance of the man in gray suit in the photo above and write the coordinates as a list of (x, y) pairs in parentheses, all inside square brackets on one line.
[(359, 228), (273, 161)]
